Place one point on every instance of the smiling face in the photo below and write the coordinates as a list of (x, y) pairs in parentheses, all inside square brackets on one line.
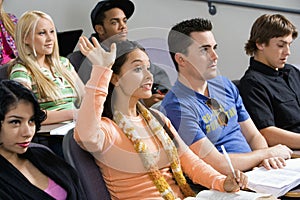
[(201, 59), (135, 80), (275, 53), (43, 38), (17, 129)]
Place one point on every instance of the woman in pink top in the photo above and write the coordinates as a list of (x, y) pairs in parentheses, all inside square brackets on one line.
[(29, 171), (8, 48), (137, 157)]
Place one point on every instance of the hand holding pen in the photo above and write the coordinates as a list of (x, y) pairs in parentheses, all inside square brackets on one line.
[(235, 180)]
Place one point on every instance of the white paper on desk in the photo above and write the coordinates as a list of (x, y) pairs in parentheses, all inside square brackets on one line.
[(63, 130), (275, 181), (241, 195)]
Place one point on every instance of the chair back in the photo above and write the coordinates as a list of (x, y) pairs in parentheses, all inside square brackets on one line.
[(3, 72), (89, 173), (236, 82)]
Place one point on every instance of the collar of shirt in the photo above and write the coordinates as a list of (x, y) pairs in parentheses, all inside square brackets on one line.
[(265, 69)]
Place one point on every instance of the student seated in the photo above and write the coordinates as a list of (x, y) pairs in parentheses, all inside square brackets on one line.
[(40, 68), (207, 110), (109, 20), (29, 172), (138, 158), (270, 86)]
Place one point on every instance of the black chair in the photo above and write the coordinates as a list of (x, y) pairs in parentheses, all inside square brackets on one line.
[(88, 172), (236, 82), (67, 41), (33, 145), (3, 72)]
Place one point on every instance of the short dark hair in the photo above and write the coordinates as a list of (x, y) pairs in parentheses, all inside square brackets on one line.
[(179, 36), (98, 13), (11, 92), (267, 27)]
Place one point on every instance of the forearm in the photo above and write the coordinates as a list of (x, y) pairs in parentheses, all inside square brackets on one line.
[(201, 173), (88, 126), (240, 161), (208, 152), (252, 135), (276, 136), (59, 116)]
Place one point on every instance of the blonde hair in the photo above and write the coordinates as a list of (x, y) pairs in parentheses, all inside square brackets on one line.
[(46, 88), (7, 22)]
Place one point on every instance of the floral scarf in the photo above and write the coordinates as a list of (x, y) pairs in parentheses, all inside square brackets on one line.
[(148, 159)]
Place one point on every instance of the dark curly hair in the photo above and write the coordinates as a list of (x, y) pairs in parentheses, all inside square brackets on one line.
[(179, 36), (11, 92)]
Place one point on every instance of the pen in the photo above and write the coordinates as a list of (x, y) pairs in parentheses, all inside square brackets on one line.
[(228, 160)]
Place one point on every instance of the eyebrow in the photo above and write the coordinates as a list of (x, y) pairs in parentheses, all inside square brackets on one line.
[(117, 19), (15, 116), (18, 117), (207, 45), (138, 60), (286, 42)]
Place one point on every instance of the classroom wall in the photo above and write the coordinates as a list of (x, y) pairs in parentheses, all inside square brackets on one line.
[(153, 18)]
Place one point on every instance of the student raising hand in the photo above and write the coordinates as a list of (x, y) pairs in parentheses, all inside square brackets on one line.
[(96, 54)]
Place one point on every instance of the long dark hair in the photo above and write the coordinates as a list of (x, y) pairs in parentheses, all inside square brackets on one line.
[(11, 92), (123, 49)]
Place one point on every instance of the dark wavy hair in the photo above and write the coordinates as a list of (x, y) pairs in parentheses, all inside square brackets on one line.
[(123, 49), (11, 93)]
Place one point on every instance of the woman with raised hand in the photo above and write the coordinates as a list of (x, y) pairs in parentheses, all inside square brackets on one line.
[(29, 172), (138, 157), (40, 68)]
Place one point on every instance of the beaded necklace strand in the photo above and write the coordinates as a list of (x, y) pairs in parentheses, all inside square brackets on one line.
[(148, 158)]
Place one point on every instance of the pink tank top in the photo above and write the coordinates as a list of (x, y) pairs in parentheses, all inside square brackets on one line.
[(56, 191)]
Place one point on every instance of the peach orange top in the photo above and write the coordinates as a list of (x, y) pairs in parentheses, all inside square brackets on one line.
[(121, 166)]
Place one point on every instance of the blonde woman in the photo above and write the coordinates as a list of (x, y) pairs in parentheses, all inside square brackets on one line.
[(40, 68), (8, 48)]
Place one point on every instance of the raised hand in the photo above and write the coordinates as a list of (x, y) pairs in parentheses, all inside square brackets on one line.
[(96, 54)]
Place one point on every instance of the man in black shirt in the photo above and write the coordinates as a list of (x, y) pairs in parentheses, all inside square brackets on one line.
[(270, 87)]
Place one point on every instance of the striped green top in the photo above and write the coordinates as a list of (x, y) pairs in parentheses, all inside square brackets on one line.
[(21, 74)]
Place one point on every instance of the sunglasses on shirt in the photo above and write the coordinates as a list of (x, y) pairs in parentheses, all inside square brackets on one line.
[(215, 106)]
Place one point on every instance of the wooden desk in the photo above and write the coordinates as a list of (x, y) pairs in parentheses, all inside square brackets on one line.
[(294, 193), (296, 154), (56, 129), (45, 129)]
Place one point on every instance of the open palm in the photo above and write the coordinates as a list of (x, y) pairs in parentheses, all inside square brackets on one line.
[(96, 54)]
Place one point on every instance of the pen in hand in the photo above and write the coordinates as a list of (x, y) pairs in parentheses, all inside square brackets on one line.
[(228, 160)]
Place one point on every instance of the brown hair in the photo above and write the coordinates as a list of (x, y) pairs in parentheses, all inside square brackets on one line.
[(267, 27)]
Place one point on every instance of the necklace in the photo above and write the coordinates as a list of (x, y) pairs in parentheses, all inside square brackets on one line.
[(148, 158)]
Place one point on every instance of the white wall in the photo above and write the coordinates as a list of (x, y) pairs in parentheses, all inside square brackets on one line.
[(153, 18)]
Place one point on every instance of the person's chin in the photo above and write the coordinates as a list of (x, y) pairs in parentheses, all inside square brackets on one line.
[(121, 38), (211, 76), (147, 96)]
